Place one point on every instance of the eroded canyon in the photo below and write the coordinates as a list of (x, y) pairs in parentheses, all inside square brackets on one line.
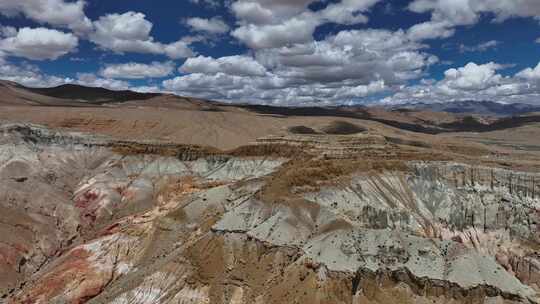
[(163, 199), (90, 219)]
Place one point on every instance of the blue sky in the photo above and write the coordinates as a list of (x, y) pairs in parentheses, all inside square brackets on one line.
[(296, 52)]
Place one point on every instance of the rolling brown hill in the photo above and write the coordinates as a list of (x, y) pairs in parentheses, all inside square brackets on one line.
[(171, 118), (91, 95)]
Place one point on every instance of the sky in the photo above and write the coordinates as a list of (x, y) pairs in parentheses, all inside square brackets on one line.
[(280, 52)]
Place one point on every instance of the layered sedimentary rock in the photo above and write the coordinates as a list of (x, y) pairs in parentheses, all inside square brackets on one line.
[(83, 221), (336, 146)]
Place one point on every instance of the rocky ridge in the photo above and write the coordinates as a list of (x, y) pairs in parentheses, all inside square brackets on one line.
[(87, 222)]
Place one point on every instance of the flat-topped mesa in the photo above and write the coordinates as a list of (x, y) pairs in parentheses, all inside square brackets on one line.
[(482, 178), (335, 146), (39, 135), (36, 134)]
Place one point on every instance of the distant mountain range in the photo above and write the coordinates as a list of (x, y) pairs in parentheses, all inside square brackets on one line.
[(472, 107), (81, 96), (420, 117)]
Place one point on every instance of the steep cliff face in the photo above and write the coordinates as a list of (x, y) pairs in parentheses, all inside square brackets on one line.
[(462, 222), (85, 222)]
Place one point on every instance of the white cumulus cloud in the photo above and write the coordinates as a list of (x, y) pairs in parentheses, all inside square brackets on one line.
[(342, 68), (472, 77), (91, 80), (213, 25), (130, 32), (272, 24), (474, 82), (231, 65), (39, 43), (447, 14), (133, 70), (532, 74), (29, 75), (53, 12)]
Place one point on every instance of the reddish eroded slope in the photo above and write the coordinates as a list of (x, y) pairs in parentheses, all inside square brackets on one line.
[(121, 226), (306, 208)]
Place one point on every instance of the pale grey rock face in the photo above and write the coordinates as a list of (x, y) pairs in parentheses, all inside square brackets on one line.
[(446, 221), (443, 222), (83, 223)]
